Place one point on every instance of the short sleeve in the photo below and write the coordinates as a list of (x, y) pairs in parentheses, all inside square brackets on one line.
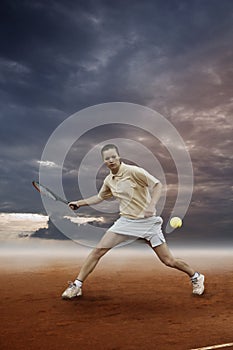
[(105, 192), (143, 178)]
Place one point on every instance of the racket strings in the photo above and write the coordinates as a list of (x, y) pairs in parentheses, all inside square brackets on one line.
[(45, 192)]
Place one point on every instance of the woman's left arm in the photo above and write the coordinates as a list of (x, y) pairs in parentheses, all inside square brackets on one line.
[(155, 195)]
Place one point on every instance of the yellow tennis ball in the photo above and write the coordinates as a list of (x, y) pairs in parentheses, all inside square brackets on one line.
[(175, 222)]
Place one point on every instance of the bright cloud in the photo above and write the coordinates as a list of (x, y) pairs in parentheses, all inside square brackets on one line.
[(47, 163), (84, 220), (14, 225)]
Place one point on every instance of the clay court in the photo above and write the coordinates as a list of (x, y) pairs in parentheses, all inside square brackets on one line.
[(132, 302)]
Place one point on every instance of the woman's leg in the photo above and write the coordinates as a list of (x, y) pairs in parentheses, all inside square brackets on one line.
[(165, 255), (108, 241)]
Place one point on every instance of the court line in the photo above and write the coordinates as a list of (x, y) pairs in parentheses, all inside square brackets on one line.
[(214, 347)]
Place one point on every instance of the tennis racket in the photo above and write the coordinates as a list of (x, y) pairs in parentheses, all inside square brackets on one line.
[(48, 193)]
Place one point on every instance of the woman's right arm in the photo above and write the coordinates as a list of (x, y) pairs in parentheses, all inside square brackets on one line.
[(83, 202)]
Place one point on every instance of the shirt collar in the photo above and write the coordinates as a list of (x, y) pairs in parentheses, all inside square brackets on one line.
[(120, 171)]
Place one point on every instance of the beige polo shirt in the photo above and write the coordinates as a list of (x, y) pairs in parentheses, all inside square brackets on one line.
[(131, 187)]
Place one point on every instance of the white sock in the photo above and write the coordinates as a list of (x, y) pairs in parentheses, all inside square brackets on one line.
[(78, 283), (196, 274)]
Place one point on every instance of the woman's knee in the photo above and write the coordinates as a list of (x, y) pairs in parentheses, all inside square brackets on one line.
[(99, 252), (169, 261)]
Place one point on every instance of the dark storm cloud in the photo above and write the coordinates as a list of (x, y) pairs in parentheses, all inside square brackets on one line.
[(55, 52), (58, 57)]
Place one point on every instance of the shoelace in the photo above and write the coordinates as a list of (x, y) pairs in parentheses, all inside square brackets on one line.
[(196, 283), (71, 284), (194, 280)]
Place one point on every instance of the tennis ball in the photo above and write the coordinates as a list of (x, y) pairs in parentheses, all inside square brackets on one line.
[(175, 222)]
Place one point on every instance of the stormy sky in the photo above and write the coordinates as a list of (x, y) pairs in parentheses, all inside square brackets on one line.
[(174, 56)]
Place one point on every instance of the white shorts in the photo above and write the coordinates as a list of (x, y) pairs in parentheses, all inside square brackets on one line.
[(147, 228)]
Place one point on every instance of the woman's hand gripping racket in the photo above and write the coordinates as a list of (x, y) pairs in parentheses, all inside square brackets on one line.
[(48, 193)]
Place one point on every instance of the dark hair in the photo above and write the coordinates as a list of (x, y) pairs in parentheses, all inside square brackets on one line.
[(109, 146)]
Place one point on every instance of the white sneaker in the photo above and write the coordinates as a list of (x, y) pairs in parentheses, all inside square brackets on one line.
[(198, 284), (72, 291)]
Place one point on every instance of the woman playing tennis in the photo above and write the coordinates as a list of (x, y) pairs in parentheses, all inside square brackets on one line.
[(138, 193)]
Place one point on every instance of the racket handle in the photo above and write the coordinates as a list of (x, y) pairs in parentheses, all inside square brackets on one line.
[(73, 206)]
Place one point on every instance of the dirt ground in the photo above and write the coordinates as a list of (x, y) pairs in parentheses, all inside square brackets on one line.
[(139, 304)]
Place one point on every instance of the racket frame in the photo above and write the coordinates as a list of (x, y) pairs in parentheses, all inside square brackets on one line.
[(37, 186)]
